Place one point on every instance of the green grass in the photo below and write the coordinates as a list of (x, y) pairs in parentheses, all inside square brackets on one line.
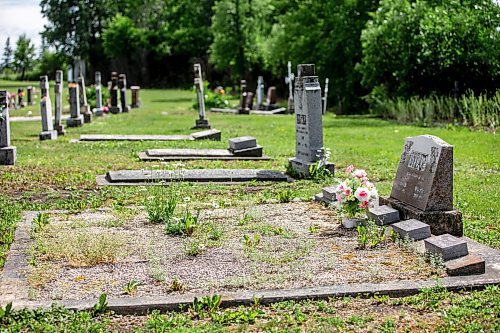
[(61, 175)]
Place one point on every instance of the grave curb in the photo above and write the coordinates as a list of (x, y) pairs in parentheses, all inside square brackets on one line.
[(143, 156), (144, 305)]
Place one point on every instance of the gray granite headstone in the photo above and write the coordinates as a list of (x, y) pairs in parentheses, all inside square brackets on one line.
[(448, 246), (289, 80), (48, 132), (308, 121), (242, 142), (260, 92), (425, 174), (58, 89), (98, 111), (7, 152), (76, 118)]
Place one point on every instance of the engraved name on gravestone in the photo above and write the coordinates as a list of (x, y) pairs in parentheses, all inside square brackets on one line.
[(425, 174)]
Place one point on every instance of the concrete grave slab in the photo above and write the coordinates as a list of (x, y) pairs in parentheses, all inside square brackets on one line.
[(448, 246), (242, 142), (203, 135), (413, 229), (224, 176), (383, 215), (196, 154)]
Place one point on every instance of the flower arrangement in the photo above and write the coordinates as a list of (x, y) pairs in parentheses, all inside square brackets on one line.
[(355, 193)]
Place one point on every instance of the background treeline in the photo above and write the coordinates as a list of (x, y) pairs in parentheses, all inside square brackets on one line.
[(375, 52)]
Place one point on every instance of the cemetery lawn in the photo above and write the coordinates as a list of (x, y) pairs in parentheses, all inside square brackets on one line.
[(61, 175)]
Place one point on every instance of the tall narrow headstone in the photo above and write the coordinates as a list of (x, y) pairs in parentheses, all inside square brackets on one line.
[(115, 107), (7, 152), (58, 106), (201, 122), (243, 98), (423, 188), (20, 98), (76, 118), (122, 86), (29, 97), (289, 80), (325, 96), (48, 132), (84, 106), (136, 102), (98, 111), (260, 92), (271, 98), (308, 122)]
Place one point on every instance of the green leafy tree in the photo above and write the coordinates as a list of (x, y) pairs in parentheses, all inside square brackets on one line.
[(238, 27), (7, 55), (24, 55), (424, 47), (327, 34)]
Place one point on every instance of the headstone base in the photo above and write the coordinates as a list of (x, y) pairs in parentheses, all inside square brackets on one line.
[(202, 124), (75, 122), (115, 109), (247, 152), (135, 106), (301, 168), (60, 129), (87, 117), (98, 112), (243, 111), (441, 222), (126, 109), (48, 135), (8, 155)]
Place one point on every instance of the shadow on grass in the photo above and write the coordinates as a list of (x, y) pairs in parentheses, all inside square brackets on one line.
[(358, 121)]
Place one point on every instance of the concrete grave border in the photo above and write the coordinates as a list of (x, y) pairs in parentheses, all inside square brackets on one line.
[(13, 279), (212, 134), (258, 112)]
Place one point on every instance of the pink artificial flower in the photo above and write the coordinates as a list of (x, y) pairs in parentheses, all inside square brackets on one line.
[(360, 173), (363, 204), (349, 169), (362, 194), (339, 198)]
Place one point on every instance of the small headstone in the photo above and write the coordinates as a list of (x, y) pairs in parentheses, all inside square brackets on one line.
[(448, 246), (249, 101), (289, 80), (115, 107), (412, 229), (58, 104), (243, 90), (122, 86), (48, 132), (260, 93), (383, 215), (136, 102), (75, 119), (329, 193), (242, 143), (271, 99), (98, 111), (84, 106), (201, 122), (308, 122), (467, 265), (29, 97), (20, 98), (7, 152)]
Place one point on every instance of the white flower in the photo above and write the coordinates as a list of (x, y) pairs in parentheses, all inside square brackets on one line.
[(215, 205), (362, 194)]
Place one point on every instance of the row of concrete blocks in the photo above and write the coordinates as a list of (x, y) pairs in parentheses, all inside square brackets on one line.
[(453, 250)]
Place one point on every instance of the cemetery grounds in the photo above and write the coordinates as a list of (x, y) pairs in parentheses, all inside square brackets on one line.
[(60, 175)]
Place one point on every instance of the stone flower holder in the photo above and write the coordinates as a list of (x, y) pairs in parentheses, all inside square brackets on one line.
[(351, 222)]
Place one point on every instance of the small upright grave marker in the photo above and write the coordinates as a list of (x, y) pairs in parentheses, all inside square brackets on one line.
[(75, 119), (289, 80), (260, 92), (20, 98), (136, 102), (7, 152), (98, 111), (271, 98), (423, 188), (242, 109), (84, 106), (325, 96), (29, 93), (48, 132), (122, 86), (115, 107), (308, 122), (201, 122), (58, 104)]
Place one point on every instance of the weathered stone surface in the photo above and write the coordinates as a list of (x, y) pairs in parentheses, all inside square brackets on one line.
[(117, 137), (212, 134), (413, 229), (445, 222), (136, 102), (189, 152), (329, 193), (425, 174), (468, 265), (8, 155), (242, 142), (383, 215), (200, 175), (58, 103), (76, 118), (98, 110), (202, 124), (448, 246), (48, 135)]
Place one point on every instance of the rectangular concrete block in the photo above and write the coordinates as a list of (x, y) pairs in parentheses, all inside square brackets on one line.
[(448, 246), (248, 152), (212, 134), (48, 135), (329, 193), (383, 215), (414, 229), (468, 265), (243, 142), (8, 155), (75, 122)]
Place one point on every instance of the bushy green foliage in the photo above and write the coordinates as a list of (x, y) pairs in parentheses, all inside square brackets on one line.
[(161, 204), (419, 47)]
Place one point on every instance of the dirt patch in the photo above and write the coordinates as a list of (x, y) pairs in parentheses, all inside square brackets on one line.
[(262, 247)]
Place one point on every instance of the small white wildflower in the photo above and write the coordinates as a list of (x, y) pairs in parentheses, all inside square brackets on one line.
[(186, 199)]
